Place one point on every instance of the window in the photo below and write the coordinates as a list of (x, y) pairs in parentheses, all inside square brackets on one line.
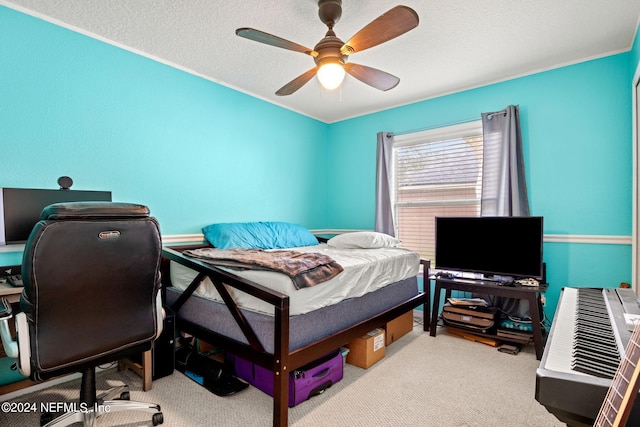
[(435, 173)]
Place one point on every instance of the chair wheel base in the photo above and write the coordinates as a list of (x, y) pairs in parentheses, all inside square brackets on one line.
[(157, 418), (46, 418)]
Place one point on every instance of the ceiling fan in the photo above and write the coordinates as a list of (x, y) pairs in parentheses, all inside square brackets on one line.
[(331, 53)]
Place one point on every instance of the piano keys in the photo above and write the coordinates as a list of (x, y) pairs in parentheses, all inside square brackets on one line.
[(584, 348)]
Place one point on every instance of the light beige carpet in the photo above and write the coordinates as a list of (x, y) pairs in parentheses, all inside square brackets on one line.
[(422, 381)]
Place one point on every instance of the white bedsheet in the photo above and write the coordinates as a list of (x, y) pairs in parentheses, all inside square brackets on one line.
[(365, 270)]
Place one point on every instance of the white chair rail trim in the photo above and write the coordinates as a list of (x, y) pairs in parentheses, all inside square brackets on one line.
[(548, 238)]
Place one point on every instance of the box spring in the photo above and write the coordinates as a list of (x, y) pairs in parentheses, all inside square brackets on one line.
[(304, 328)]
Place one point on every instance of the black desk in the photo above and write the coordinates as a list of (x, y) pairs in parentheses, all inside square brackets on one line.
[(493, 288), (11, 293)]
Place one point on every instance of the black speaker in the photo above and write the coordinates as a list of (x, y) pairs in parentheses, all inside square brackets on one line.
[(163, 351)]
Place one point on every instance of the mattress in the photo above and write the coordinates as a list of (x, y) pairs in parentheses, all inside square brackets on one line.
[(365, 271)]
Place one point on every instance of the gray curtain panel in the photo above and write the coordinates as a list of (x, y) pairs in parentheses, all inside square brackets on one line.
[(384, 212), (504, 189)]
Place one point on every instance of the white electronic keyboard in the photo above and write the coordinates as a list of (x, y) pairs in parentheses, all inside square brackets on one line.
[(583, 351)]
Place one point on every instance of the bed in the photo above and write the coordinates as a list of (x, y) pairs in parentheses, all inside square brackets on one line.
[(263, 318)]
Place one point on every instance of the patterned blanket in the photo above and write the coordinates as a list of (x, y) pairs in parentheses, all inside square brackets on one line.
[(304, 269)]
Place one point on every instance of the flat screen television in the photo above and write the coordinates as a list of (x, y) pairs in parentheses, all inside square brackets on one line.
[(493, 246), (20, 208)]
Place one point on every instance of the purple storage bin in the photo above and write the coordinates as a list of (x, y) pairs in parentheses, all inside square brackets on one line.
[(304, 382)]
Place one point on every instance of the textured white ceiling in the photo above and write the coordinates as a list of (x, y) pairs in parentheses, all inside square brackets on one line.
[(459, 44)]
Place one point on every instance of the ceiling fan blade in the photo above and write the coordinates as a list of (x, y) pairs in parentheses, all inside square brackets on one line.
[(372, 76), (387, 26), (297, 83), (266, 38)]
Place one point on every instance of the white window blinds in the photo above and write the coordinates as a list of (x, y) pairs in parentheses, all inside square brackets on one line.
[(436, 173)]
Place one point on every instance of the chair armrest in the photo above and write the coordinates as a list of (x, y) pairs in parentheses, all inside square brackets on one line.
[(10, 346), (5, 309), (19, 349)]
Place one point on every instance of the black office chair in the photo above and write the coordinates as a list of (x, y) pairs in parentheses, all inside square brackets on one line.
[(91, 296)]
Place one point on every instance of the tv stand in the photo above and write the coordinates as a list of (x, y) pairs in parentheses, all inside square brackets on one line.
[(529, 293)]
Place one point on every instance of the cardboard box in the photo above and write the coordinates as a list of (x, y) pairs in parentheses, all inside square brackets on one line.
[(398, 327), (366, 350)]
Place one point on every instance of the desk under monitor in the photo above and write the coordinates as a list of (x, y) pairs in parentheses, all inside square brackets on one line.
[(11, 293), (7, 290), (528, 293)]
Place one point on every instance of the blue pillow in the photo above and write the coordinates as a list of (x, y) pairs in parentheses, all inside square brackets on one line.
[(262, 235)]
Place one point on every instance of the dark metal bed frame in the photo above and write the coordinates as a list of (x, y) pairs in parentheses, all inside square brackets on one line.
[(282, 361)]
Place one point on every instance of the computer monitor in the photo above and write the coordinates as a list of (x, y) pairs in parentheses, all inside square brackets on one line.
[(20, 208)]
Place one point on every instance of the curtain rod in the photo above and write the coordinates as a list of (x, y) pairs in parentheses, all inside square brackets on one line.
[(503, 112), (459, 122)]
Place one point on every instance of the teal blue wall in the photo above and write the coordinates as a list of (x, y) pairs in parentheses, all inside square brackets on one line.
[(576, 124), (197, 152)]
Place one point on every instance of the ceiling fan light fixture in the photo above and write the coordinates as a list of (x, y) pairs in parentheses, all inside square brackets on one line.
[(331, 75), (330, 53)]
